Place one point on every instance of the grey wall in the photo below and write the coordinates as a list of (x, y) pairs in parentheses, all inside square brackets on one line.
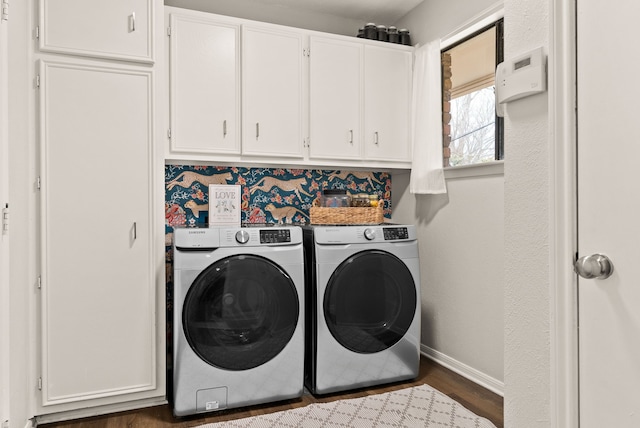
[(461, 240), (434, 19)]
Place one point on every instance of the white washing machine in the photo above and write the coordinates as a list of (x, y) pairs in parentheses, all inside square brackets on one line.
[(363, 306), (238, 317)]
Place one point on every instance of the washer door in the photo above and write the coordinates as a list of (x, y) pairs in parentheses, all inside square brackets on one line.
[(240, 312), (370, 301)]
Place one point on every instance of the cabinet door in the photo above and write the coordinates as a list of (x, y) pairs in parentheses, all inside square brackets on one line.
[(204, 85), (119, 29), (335, 98), (98, 263), (387, 99), (272, 92)]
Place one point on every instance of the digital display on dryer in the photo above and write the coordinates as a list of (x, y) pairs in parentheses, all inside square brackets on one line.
[(275, 236), (393, 233)]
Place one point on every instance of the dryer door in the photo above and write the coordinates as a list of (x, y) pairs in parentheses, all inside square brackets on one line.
[(370, 301), (240, 312)]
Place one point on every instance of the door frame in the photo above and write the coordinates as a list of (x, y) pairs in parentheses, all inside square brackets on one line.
[(4, 237), (563, 238)]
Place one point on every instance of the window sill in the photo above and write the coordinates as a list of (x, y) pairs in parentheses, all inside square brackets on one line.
[(477, 170)]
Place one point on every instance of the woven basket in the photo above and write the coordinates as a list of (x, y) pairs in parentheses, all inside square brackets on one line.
[(346, 215)]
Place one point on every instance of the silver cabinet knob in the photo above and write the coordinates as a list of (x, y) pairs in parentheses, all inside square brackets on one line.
[(596, 266)]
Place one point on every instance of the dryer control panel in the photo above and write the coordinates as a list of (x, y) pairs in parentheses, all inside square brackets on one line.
[(359, 234), (394, 233)]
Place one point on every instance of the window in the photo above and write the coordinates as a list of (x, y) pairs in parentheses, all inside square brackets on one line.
[(472, 133)]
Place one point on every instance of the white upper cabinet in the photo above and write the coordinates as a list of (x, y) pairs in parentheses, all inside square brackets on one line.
[(115, 29), (335, 98), (204, 74), (387, 99), (352, 82), (248, 92), (272, 92)]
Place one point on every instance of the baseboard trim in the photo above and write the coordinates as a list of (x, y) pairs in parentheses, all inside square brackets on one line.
[(99, 410), (464, 370)]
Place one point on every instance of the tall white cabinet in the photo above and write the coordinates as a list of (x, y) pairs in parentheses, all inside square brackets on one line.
[(100, 184)]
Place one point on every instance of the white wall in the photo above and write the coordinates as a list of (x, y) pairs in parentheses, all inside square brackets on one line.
[(22, 166), (528, 244), (461, 240), (266, 12)]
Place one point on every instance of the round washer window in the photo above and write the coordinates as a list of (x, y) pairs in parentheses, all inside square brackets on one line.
[(240, 312), (370, 301)]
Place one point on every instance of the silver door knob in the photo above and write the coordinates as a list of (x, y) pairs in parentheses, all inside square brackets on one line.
[(596, 266)]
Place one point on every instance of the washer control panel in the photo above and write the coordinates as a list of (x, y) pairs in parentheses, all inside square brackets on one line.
[(275, 236)]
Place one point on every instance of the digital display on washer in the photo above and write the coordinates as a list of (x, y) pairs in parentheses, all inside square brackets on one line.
[(275, 236), (391, 233)]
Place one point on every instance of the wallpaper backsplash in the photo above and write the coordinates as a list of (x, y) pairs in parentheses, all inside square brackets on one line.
[(269, 195)]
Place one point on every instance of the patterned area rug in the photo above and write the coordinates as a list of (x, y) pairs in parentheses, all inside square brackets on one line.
[(420, 406)]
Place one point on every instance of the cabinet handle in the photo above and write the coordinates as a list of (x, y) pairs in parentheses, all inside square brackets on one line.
[(135, 231), (257, 130), (132, 22), (224, 129), (375, 138), (351, 136)]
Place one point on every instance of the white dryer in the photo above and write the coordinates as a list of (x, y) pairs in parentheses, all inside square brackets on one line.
[(238, 317), (363, 306)]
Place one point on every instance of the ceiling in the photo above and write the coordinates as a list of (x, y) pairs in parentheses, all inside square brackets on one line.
[(380, 11)]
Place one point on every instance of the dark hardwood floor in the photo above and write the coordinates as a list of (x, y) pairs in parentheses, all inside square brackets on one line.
[(475, 398)]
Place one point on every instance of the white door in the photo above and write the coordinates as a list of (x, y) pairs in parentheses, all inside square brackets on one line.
[(272, 88), (98, 275), (119, 29), (387, 98), (335, 90), (204, 84), (609, 211)]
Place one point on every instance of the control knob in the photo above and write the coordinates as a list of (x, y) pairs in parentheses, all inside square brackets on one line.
[(370, 234), (242, 236)]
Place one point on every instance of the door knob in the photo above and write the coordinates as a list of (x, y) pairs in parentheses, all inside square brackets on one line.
[(596, 266)]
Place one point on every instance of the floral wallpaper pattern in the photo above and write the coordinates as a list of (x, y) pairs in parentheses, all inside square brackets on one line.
[(265, 191)]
